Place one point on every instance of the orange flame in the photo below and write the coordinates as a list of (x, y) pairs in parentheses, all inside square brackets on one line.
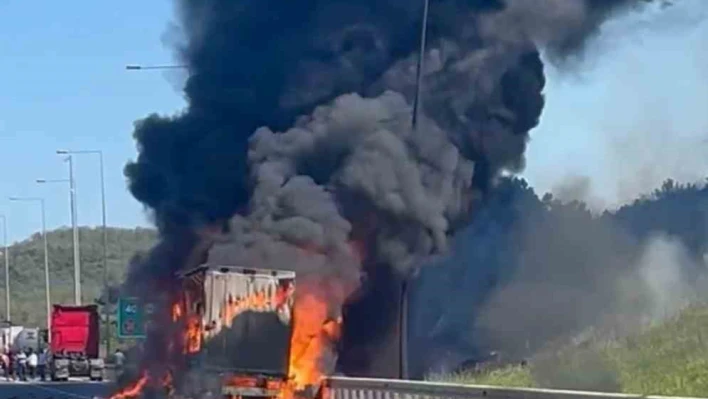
[(193, 335), (252, 382), (314, 336), (134, 390), (176, 311), (258, 301)]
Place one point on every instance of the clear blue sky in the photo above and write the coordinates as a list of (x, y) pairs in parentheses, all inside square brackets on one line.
[(63, 84)]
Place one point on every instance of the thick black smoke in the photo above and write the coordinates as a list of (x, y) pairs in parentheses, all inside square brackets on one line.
[(299, 120)]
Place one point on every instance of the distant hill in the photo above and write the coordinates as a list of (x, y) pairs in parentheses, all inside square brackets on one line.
[(27, 268)]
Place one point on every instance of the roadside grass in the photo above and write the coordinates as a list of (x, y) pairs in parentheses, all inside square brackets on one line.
[(670, 358), (512, 376)]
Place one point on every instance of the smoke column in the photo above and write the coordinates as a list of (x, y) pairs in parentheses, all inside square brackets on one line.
[(297, 135)]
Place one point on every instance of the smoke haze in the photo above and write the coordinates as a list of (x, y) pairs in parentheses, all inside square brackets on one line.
[(530, 273), (635, 112), (297, 149)]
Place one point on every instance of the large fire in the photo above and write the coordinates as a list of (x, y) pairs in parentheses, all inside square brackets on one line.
[(145, 381), (314, 336), (316, 330)]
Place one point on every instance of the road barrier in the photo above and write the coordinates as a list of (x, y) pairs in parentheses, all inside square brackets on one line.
[(369, 388)]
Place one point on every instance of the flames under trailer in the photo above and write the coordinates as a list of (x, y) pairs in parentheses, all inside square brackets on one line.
[(244, 323), (74, 343)]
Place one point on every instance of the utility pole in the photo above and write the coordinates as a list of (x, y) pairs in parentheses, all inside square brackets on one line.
[(105, 235), (75, 228), (106, 301), (403, 317), (47, 295), (6, 255), (421, 60), (47, 298)]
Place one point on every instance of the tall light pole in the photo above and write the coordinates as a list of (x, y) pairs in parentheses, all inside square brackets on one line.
[(72, 210), (6, 255), (75, 230), (46, 259), (74, 227), (421, 59), (403, 330), (105, 233)]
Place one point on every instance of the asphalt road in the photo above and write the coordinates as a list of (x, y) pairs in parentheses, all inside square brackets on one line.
[(54, 390)]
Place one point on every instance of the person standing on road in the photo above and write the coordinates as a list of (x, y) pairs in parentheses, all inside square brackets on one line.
[(5, 364), (11, 365), (119, 359), (32, 363), (22, 365), (42, 364)]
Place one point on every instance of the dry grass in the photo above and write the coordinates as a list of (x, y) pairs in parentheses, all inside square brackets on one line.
[(513, 376)]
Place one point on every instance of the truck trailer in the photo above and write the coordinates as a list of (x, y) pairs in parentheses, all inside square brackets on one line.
[(74, 343), (242, 324)]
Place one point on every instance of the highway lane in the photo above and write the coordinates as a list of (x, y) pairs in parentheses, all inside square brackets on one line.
[(54, 390)]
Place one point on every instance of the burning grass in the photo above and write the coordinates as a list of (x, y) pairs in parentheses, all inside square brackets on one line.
[(667, 359)]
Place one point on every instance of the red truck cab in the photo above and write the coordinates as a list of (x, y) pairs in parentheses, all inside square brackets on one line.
[(74, 343)]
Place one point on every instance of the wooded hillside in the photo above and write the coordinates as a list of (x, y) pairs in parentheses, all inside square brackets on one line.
[(27, 268)]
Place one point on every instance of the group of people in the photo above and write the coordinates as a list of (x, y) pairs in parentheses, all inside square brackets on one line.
[(24, 364)]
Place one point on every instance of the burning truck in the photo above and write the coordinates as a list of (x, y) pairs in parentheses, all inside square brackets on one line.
[(238, 338), (238, 327)]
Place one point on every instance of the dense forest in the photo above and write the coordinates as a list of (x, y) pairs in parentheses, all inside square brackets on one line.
[(27, 268), (533, 271)]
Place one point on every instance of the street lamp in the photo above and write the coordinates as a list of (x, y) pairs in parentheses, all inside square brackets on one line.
[(405, 292), (105, 230), (134, 67), (421, 59), (74, 226), (75, 230), (6, 255), (46, 258)]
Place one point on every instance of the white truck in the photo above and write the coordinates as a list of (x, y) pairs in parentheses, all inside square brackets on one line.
[(18, 338)]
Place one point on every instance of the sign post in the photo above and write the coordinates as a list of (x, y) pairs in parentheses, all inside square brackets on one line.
[(131, 318)]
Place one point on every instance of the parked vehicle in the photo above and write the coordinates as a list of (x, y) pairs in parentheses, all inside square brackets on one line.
[(74, 343), (27, 338), (8, 336)]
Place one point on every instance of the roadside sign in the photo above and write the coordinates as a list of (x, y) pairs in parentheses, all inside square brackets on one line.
[(131, 318)]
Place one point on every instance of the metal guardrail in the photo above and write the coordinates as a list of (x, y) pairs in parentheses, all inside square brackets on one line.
[(368, 388)]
